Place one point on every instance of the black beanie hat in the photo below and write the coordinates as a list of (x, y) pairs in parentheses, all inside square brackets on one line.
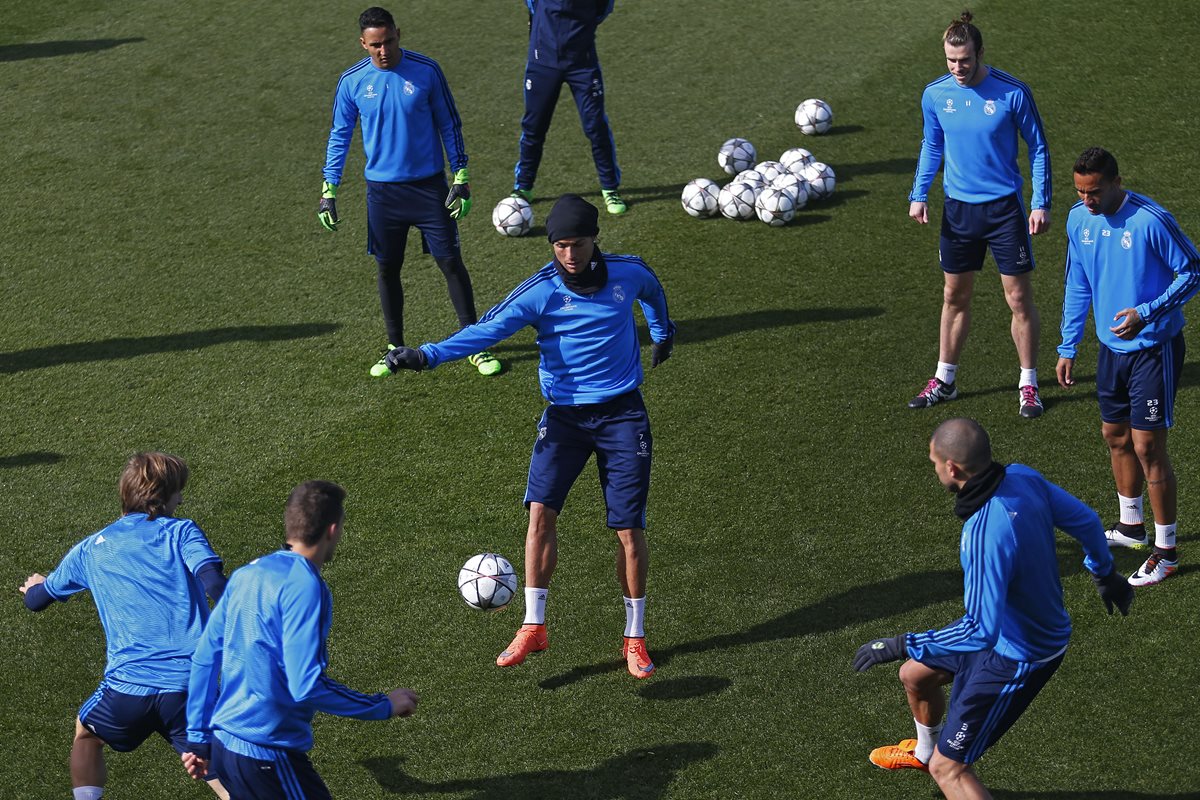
[(572, 216)]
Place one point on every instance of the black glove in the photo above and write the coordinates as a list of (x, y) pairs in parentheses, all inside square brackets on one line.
[(405, 358), (880, 651), (1114, 590), (661, 351)]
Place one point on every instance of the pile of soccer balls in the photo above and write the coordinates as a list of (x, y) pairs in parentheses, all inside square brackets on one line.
[(771, 190)]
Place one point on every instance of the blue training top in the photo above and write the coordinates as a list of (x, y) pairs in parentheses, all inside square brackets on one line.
[(1137, 257), (266, 642), (588, 342), (976, 128), (1011, 589), (141, 573), (408, 115), (562, 33)]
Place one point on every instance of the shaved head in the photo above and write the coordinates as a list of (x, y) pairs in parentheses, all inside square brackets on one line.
[(963, 441)]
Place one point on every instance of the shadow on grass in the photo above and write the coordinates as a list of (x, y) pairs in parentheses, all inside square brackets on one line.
[(891, 166), (642, 774), (23, 52), (133, 346), (30, 459), (684, 688), (852, 607), (1092, 794)]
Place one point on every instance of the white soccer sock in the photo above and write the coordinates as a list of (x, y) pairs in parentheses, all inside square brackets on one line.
[(946, 372), (1028, 377), (1164, 536), (87, 792), (1131, 509), (635, 615), (535, 605), (926, 740)]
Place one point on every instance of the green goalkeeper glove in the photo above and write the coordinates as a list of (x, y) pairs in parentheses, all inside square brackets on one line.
[(327, 208), (460, 190)]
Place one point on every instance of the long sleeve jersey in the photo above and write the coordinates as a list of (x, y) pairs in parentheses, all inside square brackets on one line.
[(407, 114), (1137, 258), (975, 129), (588, 342), (266, 643), (562, 33), (142, 575), (1011, 588)]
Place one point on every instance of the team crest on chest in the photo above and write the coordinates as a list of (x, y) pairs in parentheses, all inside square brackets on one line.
[(1127, 240), (619, 293), (989, 107), (408, 87)]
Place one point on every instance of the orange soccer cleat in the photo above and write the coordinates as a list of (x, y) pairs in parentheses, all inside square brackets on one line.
[(529, 639), (898, 756), (636, 658)]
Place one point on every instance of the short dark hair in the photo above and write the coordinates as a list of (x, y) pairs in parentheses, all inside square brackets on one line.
[(965, 442), (960, 31), (149, 481), (376, 17), (1097, 159), (311, 508)]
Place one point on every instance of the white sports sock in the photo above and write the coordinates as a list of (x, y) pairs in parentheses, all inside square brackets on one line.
[(1131, 509), (1028, 377), (946, 372), (926, 740), (1164, 536), (635, 614), (87, 792), (535, 605)]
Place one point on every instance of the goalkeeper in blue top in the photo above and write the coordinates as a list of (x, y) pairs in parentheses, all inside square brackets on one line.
[(408, 116), (972, 119), (1015, 631), (266, 643), (581, 305), (148, 573), (1128, 260)]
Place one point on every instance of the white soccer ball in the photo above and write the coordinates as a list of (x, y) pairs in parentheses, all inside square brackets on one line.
[(814, 116), (487, 581), (736, 155), (821, 180), (794, 185), (795, 159), (512, 216), (736, 200), (774, 207), (700, 197), (752, 177), (770, 170)]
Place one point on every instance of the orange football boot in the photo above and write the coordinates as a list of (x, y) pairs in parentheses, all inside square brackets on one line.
[(529, 639), (898, 756), (636, 658)]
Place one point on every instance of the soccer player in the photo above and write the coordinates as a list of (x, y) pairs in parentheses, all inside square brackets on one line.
[(1014, 634), (266, 642), (972, 118), (581, 305), (562, 49), (148, 573), (408, 115), (1128, 260)]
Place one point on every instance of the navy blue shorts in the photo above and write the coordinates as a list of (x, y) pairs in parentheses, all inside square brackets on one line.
[(990, 692), (969, 229), (1139, 387), (618, 432), (394, 208), (124, 721), (287, 776)]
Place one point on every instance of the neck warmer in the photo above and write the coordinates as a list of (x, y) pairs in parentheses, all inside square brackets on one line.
[(978, 490), (590, 280)]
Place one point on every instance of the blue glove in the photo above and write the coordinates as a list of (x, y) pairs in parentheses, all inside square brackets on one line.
[(1114, 590), (661, 351), (880, 651), (460, 191), (327, 208), (405, 358)]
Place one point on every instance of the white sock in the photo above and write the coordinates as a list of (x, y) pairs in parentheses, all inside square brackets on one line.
[(1131, 509), (926, 740), (635, 614), (535, 605), (87, 792), (1028, 377), (946, 372), (1164, 536)]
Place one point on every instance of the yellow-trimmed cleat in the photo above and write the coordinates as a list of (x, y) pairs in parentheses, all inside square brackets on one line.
[(486, 363), (529, 639), (636, 658), (898, 756), (613, 202)]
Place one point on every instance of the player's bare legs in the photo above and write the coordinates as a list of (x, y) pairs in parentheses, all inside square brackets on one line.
[(541, 557), (956, 315), (1150, 448), (87, 758), (1026, 323), (923, 687), (633, 561), (956, 780), (1126, 468)]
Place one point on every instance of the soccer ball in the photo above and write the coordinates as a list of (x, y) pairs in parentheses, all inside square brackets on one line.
[(774, 207), (821, 180), (752, 177), (794, 185), (813, 117), (795, 159), (770, 170), (487, 581), (513, 216), (736, 155), (736, 200), (700, 197)]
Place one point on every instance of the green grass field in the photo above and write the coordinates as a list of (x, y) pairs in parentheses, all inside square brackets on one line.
[(166, 286)]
